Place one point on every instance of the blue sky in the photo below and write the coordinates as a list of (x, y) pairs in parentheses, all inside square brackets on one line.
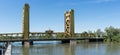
[(49, 14)]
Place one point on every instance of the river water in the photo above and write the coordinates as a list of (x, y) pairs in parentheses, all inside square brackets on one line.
[(67, 49)]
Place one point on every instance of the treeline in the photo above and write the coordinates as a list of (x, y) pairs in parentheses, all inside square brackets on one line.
[(110, 34), (113, 34), (97, 33)]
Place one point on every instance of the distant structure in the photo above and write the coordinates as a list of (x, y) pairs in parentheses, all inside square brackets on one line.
[(69, 23), (25, 23)]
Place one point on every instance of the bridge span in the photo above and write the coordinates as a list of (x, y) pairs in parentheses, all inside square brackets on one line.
[(31, 34), (50, 39)]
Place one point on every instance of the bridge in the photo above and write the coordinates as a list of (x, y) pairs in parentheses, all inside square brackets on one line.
[(49, 39), (49, 35), (30, 34), (43, 36)]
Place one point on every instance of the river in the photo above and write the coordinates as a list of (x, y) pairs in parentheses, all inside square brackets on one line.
[(96, 48)]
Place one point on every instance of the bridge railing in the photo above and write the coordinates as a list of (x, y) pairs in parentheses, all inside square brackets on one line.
[(45, 36)]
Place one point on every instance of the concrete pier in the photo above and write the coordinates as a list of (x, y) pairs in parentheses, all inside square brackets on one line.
[(65, 41), (72, 42), (31, 42), (8, 51), (27, 43), (96, 40)]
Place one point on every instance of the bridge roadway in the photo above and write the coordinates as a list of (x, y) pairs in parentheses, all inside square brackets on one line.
[(30, 34), (50, 39)]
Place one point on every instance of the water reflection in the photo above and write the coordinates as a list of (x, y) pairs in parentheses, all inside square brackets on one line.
[(91, 49), (67, 49), (25, 50), (113, 49)]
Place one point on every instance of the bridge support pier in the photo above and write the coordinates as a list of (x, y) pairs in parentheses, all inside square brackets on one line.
[(27, 43), (96, 40), (31, 42), (69, 41), (65, 41)]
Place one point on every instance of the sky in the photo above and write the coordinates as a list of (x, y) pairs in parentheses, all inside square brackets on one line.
[(49, 14)]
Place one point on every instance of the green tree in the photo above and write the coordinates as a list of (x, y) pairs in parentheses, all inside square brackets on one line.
[(98, 32), (113, 34)]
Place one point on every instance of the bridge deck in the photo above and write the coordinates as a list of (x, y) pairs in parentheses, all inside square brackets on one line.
[(19, 40)]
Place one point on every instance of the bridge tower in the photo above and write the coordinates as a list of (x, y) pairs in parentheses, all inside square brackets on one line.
[(26, 21), (69, 23), (25, 28)]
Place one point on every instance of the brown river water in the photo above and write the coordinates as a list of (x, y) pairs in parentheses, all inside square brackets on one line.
[(67, 49)]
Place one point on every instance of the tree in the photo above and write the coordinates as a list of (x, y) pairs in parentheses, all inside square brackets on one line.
[(113, 34), (98, 32)]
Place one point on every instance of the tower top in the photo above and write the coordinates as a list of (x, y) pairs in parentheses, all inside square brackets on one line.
[(66, 12), (71, 10), (26, 5)]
